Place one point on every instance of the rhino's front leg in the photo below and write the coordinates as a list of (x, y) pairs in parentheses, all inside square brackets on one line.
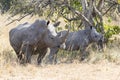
[(53, 55), (83, 53)]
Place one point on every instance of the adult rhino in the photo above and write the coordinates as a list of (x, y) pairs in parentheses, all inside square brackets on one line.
[(78, 40), (28, 39)]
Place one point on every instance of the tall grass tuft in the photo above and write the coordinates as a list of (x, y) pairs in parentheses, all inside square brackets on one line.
[(110, 54), (7, 57)]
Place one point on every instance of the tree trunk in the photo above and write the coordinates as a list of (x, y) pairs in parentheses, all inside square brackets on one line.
[(91, 12)]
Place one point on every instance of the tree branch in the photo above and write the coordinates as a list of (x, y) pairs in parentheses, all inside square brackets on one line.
[(82, 17), (18, 19), (100, 5), (109, 8), (90, 11), (100, 17), (70, 19), (84, 5), (79, 14)]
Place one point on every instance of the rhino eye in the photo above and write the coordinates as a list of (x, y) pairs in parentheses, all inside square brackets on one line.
[(95, 36), (52, 38)]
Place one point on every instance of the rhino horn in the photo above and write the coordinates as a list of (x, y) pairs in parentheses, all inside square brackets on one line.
[(65, 36)]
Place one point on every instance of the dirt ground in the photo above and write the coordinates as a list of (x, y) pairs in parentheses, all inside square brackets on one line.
[(73, 71)]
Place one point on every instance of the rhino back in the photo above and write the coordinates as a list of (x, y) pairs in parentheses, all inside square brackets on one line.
[(26, 33), (16, 35), (75, 40)]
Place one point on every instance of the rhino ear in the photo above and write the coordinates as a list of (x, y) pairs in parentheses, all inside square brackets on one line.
[(56, 24), (48, 22)]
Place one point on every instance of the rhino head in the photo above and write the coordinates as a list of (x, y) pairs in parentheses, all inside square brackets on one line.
[(97, 37), (52, 39)]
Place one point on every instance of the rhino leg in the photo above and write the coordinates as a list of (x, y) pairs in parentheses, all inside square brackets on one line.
[(83, 53), (20, 56), (55, 59), (17, 48), (53, 56), (41, 55), (18, 52), (28, 54)]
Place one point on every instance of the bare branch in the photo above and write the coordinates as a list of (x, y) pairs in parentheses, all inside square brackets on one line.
[(79, 14), (98, 12), (90, 11), (100, 4), (18, 19), (109, 9), (112, 1), (80, 24), (70, 19), (84, 5), (100, 17)]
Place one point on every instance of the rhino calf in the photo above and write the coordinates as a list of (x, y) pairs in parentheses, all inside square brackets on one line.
[(78, 40)]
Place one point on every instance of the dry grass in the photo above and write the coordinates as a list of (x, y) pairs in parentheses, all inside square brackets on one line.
[(101, 66), (74, 71)]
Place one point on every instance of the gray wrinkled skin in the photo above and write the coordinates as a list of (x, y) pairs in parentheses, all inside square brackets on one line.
[(78, 40), (28, 39)]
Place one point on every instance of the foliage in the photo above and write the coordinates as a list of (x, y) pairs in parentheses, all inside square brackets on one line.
[(111, 30), (119, 1), (5, 5), (77, 12)]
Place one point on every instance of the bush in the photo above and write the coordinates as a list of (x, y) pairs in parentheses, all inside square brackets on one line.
[(111, 30)]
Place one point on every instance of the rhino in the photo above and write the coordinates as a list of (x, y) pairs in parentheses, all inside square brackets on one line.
[(78, 40), (29, 39)]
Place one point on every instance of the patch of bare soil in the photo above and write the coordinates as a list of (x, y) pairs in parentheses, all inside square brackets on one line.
[(74, 71)]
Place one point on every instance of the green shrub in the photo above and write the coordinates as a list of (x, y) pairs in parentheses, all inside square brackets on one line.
[(111, 30)]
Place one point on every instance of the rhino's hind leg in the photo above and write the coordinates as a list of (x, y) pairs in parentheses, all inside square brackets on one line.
[(20, 57), (28, 53), (18, 53), (21, 54), (41, 55), (25, 53)]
